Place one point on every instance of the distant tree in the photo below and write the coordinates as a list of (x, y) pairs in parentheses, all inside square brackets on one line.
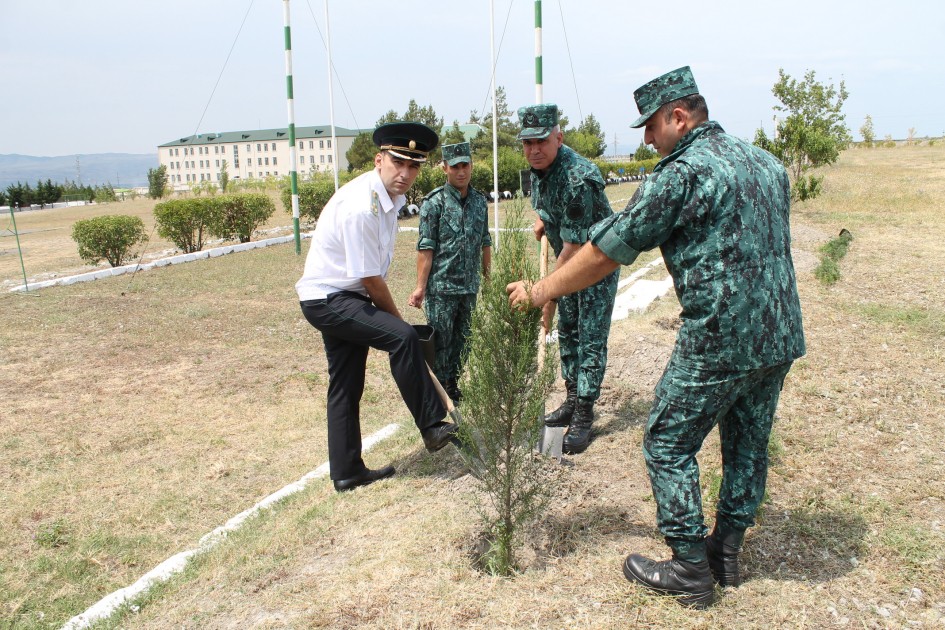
[(587, 139), (109, 238), (813, 132), (157, 181), (910, 138), (453, 135), (3, 198), (20, 195), (361, 154), (507, 128), (644, 152), (224, 177), (105, 193), (867, 132)]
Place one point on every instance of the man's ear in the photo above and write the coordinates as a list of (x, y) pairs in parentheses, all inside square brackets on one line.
[(680, 118), (377, 158)]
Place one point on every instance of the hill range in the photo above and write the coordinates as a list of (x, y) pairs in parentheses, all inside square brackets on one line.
[(122, 170)]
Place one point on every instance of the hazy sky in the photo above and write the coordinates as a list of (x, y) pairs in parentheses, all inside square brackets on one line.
[(125, 76)]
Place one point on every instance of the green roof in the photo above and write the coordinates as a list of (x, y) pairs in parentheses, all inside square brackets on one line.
[(260, 135), (470, 130)]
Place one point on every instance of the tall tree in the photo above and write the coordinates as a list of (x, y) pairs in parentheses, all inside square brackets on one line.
[(361, 154), (224, 177), (644, 152), (507, 129), (587, 139), (157, 181), (867, 131)]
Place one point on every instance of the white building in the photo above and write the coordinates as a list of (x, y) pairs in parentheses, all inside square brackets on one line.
[(253, 154)]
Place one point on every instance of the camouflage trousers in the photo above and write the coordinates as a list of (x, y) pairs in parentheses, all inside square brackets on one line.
[(451, 318), (689, 402), (583, 328)]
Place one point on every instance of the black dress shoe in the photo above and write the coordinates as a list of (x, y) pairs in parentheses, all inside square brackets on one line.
[(368, 476), (439, 435), (690, 582)]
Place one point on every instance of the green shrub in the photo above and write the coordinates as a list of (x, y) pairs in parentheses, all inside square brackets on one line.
[(238, 215), (314, 194), (109, 238), (828, 271), (183, 221)]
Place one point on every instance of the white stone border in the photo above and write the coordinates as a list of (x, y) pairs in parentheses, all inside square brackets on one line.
[(176, 563)]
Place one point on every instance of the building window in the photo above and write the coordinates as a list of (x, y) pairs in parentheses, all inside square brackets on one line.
[(301, 159), (273, 160), (267, 161), (321, 144), (311, 159), (311, 144), (301, 144), (329, 144), (258, 147), (218, 163), (249, 148), (321, 158), (329, 159), (260, 173)]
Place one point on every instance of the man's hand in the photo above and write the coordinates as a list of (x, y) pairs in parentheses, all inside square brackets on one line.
[(539, 229), (416, 298), (519, 295)]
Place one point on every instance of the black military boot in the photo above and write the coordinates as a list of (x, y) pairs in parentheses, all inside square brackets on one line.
[(579, 431), (722, 547), (689, 582), (561, 416)]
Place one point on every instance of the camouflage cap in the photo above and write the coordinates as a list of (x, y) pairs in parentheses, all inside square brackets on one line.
[(537, 121), (453, 154), (673, 85), (406, 140)]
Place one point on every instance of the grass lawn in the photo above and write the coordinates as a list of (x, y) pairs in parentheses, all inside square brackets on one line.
[(141, 413)]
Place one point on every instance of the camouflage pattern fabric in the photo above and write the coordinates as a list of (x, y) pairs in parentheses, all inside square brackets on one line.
[(669, 87), (569, 197), (718, 208), (690, 401), (451, 318), (583, 328), (456, 230)]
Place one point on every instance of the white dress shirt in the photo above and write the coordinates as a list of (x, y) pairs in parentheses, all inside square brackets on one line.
[(353, 239)]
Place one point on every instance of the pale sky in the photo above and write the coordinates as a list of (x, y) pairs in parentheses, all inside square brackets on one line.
[(125, 76)]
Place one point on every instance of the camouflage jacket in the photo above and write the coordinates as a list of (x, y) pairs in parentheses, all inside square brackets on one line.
[(718, 208), (569, 197), (456, 230)]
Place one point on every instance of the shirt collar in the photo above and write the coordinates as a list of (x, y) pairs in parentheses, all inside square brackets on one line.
[(709, 127), (387, 204)]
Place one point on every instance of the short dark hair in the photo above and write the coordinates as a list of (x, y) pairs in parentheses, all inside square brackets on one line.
[(694, 104)]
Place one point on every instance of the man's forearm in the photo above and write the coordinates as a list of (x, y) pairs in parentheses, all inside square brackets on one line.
[(424, 265), (587, 266), (380, 295)]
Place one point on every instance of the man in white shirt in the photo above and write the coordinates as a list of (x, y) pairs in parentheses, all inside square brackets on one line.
[(343, 293)]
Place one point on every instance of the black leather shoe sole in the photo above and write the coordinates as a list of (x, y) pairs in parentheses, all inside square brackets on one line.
[(435, 438), (368, 476)]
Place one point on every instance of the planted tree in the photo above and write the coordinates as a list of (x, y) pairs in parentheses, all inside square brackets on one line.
[(224, 177), (110, 238), (503, 393), (587, 139), (644, 152), (812, 133)]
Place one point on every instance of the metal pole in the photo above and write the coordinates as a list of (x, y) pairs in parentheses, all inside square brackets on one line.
[(495, 127), (539, 85), (331, 101), (17, 234), (290, 103)]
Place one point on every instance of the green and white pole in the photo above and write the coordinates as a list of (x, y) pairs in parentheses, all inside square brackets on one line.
[(495, 129), (26, 284), (538, 79), (290, 103)]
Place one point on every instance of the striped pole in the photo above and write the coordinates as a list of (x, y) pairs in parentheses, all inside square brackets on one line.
[(538, 79), (290, 103)]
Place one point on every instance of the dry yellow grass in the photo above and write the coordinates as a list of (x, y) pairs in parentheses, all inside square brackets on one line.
[(139, 415)]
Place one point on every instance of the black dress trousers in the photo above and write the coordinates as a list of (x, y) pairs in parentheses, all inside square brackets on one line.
[(350, 324)]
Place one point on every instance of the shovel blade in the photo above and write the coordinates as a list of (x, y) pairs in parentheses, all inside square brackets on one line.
[(551, 441)]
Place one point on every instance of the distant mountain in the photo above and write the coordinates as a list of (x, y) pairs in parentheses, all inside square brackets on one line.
[(123, 170)]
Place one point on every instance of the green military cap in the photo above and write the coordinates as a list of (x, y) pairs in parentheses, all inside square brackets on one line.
[(537, 121), (453, 154), (406, 140), (672, 86)]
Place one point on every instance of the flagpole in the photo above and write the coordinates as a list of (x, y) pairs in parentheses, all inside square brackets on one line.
[(331, 101), (290, 104), (495, 126)]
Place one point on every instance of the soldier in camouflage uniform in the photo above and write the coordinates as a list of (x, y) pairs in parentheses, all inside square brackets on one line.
[(567, 192), (718, 208), (454, 244)]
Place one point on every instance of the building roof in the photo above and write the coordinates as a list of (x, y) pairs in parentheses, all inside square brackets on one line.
[(470, 130), (260, 135)]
